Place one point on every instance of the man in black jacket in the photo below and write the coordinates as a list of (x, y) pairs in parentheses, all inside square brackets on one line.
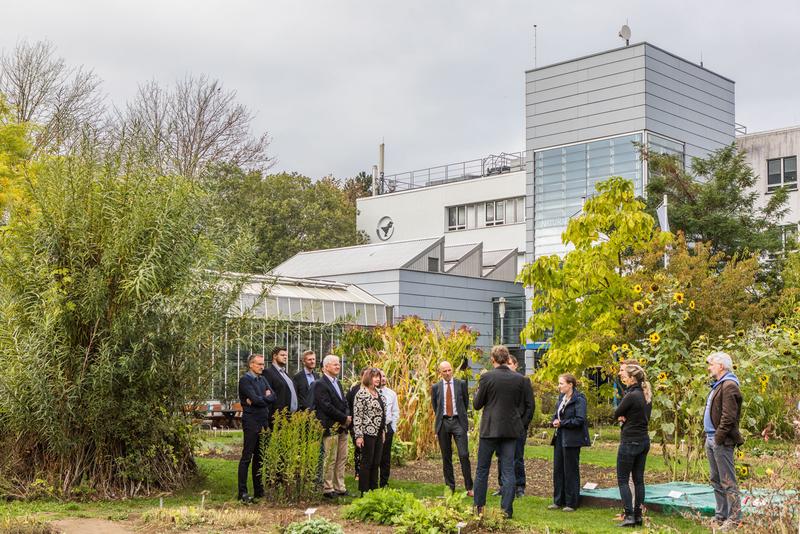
[(334, 415), (450, 401), (304, 380), (255, 394), (502, 395), (285, 394), (519, 450)]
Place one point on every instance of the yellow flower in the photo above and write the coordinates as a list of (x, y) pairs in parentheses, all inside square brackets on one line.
[(769, 471), (638, 307), (662, 376), (740, 333), (653, 287), (739, 454), (648, 302), (637, 288), (685, 316), (691, 304), (764, 379), (614, 348), (625, 347), (642, 362), (745, 471), (654, 338), (771, 327), (678, 297)]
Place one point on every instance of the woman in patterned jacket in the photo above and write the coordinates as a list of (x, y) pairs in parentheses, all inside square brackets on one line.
[(369, 424)]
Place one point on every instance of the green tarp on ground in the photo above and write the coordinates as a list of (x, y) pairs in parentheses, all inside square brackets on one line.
[(694, 497)]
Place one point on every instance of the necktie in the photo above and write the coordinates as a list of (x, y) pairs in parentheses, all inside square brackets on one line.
[(448, 401)]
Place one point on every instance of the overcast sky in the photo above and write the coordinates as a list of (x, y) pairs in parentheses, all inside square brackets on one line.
[(438, 81)]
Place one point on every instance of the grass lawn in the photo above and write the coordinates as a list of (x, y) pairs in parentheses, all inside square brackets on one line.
[(220, 481), (600, 455)]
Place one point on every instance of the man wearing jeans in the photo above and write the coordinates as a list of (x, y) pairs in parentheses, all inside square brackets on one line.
[(721, 424), (502, 395)]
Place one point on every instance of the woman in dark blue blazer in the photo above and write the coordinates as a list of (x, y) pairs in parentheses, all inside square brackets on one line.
[(572, 433)]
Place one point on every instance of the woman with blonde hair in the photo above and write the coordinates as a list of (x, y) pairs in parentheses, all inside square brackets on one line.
[(634, 443)]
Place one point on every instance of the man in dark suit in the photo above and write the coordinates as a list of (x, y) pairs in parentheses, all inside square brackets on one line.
[(501, 394), (450, 401), (304, 379), (255, 394), (283, 387), (333, 413), (519, 451)]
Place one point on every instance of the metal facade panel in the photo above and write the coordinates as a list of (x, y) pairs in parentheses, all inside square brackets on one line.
[(703, 108)]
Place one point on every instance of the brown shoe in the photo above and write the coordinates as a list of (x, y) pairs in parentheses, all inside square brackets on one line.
[(470, 493)]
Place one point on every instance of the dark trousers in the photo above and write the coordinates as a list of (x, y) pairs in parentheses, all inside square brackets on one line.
[(451, 430), (251, 453), (356, 454), (566, 474), (370, 463), (519, 463), (631, 458), (504, 448), (386, 459)]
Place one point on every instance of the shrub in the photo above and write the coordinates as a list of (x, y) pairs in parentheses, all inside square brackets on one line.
[(313, 526), (291, 456), (382, 506), (442, 516)]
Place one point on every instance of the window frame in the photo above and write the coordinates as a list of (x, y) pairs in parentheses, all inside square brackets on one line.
[(790, 185), (461, 214)]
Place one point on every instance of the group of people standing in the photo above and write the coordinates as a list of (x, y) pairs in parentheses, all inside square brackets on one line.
[(369, 413)]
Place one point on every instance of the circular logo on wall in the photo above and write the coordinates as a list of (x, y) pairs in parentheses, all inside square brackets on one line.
[(385, 228)]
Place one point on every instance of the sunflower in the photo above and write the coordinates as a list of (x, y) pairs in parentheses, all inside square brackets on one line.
[(787, 352), (763, 379), (625, 347), (678, 297), (655, 338), (769, 471), (638, 307), (740, 333), (691, 304), (745, 471), (642, 362), (685, 316), (771, 327), (739, 454), (637, 288), (653, 287), (662, 376), (614, 348), (647, 302)]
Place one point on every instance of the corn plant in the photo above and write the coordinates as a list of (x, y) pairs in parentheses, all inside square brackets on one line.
[(409, 353)]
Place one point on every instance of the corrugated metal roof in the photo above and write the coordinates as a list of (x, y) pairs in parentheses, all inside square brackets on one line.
[(363, 258)]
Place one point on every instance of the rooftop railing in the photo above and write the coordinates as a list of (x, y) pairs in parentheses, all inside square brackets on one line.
[(491, 165)]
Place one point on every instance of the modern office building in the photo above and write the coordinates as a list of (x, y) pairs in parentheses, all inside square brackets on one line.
[(585, 117), (773, 156)]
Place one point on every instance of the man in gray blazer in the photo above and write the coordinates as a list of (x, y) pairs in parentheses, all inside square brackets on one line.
[(450, 401), (502, 395)]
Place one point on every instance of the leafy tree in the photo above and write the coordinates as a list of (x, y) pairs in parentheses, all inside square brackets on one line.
[(106, 315), (578, 297), (358, 186), (284, 213), (14, 152), (715, 202), (727, 295)]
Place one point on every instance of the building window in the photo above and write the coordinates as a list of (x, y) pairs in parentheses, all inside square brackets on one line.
[(789, 237), (457, 218), (495, 213), (782, 172), (433, 265)]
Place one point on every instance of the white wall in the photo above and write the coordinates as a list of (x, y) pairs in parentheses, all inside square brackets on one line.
[(762, 146), (420, 213)]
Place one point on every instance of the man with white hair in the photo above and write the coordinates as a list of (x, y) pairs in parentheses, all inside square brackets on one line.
[(334, 415), (721, 424)]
